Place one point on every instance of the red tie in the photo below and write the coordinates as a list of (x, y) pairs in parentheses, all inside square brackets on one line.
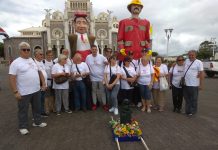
[(82, 37)]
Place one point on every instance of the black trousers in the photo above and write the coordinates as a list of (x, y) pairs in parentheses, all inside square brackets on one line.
[(177, 94)]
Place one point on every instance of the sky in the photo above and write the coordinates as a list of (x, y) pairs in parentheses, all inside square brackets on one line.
[(192, 21)]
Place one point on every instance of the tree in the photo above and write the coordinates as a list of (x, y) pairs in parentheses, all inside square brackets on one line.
[(205, 50), (1, 49)]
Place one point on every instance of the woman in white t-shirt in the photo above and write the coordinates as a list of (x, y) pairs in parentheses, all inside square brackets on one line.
[(160, 70), (111, 77), (61, 90), (128, 78), (175, 74), (145, 74)]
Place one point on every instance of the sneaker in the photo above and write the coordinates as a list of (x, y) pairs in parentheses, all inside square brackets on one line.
[(105, 107), (148, 110), (58, 114), (68, 111), (43, 124), (139, 104), (112, 109), (190, 114), (94, 107), (23, 131), (115, 111), (44, 115)]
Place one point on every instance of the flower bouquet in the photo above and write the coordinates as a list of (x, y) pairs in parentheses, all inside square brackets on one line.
[(126, 132)]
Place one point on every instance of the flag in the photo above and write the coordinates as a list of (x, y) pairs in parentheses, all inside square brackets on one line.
[(2, 32)]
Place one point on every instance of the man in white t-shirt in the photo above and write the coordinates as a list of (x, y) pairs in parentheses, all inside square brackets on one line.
[(25, 83), (49, 95), (194, 76), (96, 63), (38, 53)]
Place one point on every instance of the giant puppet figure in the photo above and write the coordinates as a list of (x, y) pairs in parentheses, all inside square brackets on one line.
[(80, 41), (133, 33)]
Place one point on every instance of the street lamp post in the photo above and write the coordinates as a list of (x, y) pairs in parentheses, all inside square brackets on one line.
[(168, 35)]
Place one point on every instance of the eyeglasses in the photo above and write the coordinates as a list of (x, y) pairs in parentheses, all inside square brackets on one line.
[(25, 49), (180, 60)]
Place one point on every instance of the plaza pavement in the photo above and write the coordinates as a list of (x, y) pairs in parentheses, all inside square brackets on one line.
[(90, 130)]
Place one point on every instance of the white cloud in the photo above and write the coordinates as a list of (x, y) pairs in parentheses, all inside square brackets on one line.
[(193, 21)]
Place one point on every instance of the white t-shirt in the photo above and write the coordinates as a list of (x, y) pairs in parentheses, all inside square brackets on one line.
[(68, 64), (27, 76), (96, 66), (191, 77), (163, 70), (144, 73), (83, 45), (82, 68), (132, 73), (41, 67), (114, 70), (48, 66), (176, 74), (57, 68)]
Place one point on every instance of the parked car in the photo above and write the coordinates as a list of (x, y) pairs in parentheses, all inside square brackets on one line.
[(211, 67)]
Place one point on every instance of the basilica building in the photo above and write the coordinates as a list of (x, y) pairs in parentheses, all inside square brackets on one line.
[(57, 25)]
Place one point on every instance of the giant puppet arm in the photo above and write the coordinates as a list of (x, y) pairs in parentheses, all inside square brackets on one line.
[(120, 38)]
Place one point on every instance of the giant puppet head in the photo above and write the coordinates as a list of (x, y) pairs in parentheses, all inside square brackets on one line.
[(81, 22), (135, 7)]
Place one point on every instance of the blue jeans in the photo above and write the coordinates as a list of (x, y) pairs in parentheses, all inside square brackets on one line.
[(23, 106), (79, 94), (112, 95), (191, 98), (145, 92)]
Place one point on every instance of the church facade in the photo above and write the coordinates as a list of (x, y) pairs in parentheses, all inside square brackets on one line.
[(57, 25)]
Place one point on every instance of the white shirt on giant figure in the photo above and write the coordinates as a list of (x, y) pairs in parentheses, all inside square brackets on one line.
[(83, 45), (27, 76), (96, 65), (191, 77)]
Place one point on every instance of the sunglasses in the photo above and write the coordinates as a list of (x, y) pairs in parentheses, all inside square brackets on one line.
[(25, 49)]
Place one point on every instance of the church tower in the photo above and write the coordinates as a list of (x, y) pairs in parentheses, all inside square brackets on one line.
[(71, 7)]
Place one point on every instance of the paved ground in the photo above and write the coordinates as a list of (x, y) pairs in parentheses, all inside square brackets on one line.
[(90, 131)]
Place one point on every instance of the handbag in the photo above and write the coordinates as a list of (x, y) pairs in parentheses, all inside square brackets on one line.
[(85, 80), (60, 79), (182, 81), (131, 84), (163, 84), (112, 77)]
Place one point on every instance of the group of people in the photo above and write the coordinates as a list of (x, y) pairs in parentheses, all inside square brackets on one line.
[(80, 81)]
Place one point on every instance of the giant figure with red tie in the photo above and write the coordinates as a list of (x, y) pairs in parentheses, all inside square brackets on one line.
[(80, 41)]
